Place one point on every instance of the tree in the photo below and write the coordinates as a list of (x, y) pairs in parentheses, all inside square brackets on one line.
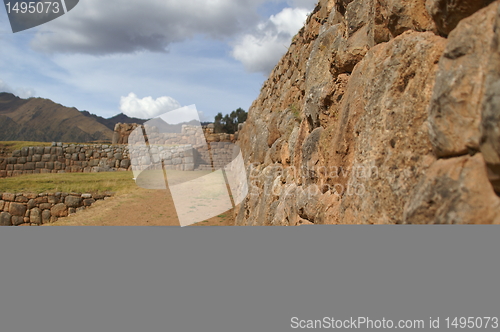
[(229, 123), (218, 125)]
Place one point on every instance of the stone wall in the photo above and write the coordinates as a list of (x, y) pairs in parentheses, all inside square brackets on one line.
[(187, 150), (194, 148), (38, 209), (64, 158), (122, 132), (381, 112)]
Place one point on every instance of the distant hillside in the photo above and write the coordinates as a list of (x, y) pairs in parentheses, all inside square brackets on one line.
[(42, 120), (111, 122)]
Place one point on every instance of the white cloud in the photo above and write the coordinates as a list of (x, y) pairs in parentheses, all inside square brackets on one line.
[(20, 92), (114, 26), (147, 108), (261, 51)]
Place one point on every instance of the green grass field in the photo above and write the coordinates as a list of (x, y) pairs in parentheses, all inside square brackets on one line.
[(17, 145), (119, 182)]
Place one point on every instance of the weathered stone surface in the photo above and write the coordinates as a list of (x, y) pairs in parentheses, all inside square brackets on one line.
[(59, 210), (36, 216), (448, 13), (453, 192), (455, 111), (381, 140), (361, 75), (125, 163), (46, 216), (88, 202), (122, 132), (17, 209), (45, 206), (29, 166), (31, 204), (22, 199), (52, 199), (490, 124), (5, 219), (9, 197), (73, 201), (17, 220)]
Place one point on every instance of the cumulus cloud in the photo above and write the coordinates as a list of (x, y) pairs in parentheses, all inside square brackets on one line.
[(147, 108), (20, 92), (261, 50), (113, 26)]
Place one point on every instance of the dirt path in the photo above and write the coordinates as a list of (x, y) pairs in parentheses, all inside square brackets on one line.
[(141, 207)]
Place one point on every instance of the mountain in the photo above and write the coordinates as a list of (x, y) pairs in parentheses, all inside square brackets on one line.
[(42, 120), (111, 122)]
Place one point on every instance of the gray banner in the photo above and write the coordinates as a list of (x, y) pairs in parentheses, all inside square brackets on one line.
[(246, 279)]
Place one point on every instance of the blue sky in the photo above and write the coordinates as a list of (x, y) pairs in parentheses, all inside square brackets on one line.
[(151, 56)]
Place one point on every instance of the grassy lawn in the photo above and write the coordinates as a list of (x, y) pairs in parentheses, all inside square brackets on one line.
[(18, 145), (119, 182), (10, 146)]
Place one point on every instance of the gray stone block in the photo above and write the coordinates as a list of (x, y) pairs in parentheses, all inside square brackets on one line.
[(5, 219), (36, 216)]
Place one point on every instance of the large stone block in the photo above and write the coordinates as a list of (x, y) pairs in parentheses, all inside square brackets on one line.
[(59, 210), (17, 209), (46, 216), (490, 124), (448, 13), (22, 199), (36, 216), (30, 166), (455, 111), (9, 197), (125, 163), (5, 219), (88, 202), (17, 220), (73, 201), (454, 191)]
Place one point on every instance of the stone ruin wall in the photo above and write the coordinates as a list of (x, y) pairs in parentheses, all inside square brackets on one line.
[(65, 158), (32, 209), (122, 132), (381, 112), (186, 151), (194, 148)]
